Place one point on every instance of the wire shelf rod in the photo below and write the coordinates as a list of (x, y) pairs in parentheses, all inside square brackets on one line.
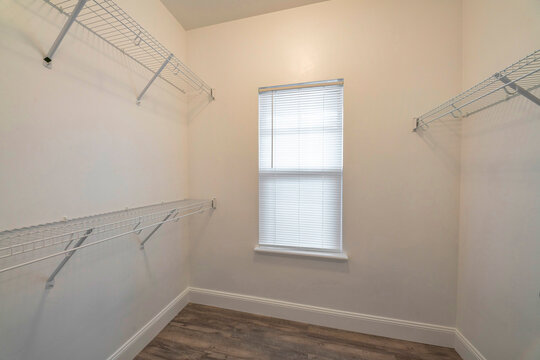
[(31, 245), (523, 71), (93, 217), (106, 20), (78, 221), (113, 28), (100, 241), (501, 101), (482, 85), (517, 89), (190, 203), (125, 53), (162, 50), (480, 97)]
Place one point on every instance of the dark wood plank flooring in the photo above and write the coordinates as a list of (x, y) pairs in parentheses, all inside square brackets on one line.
[(204, 332)]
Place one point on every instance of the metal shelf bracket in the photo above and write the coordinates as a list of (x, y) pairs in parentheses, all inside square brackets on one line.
[(419, 124), (158, 226), (517, 88), (50, 280), (47, 60), (154, 78)]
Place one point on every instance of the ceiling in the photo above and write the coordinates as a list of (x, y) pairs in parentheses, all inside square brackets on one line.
[(197, 13)]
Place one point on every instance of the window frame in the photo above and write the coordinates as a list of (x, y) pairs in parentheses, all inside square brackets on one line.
[(324, 253)]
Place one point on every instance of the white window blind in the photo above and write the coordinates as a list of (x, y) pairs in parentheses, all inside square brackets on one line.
[(301, 166)]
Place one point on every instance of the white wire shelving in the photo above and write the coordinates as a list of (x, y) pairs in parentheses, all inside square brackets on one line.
[(520, 78), (106, 20), (25, 246)]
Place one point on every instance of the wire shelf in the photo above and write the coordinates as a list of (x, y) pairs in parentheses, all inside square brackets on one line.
[(109, 22), (520, 78), (25, 246)]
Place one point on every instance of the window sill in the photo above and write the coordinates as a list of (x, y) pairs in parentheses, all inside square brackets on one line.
[(341, 256)]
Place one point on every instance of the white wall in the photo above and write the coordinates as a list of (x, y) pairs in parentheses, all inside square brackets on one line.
[(73, 143), (499, 250), (401, 189)]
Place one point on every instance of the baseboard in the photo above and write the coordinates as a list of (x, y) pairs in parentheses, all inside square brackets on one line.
[(345, 320), (141, 338), (466, 349)]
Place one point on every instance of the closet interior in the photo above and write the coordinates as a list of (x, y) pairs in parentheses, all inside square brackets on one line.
[(340, 233)]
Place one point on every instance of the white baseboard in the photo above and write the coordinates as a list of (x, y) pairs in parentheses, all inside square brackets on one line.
[(345, 320), (141, 338), (466, 349), (339, 319)]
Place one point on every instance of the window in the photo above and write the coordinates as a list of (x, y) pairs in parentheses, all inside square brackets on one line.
[(301, 168)]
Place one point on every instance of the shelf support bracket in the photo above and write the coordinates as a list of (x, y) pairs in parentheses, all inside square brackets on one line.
[(157, 227), (518, 88), (50, 280), (47, 60), (136, 226), (419, 124), (153, 78)]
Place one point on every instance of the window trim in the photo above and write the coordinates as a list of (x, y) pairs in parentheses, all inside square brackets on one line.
[(339, 254), (302, 85), (280, 250)]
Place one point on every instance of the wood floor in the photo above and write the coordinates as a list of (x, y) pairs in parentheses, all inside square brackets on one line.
[(204, 332)]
